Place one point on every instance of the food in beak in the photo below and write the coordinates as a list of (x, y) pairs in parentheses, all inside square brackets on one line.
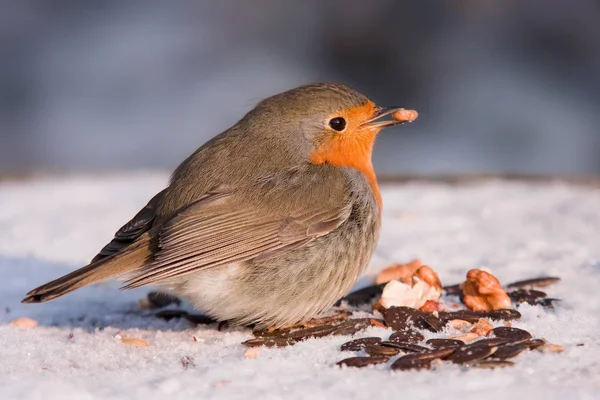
[(402, 115)]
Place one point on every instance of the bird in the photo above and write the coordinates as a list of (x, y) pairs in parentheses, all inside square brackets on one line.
[(268, 223)]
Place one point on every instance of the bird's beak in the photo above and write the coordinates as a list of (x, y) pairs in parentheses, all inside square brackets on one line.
[(399, 116)]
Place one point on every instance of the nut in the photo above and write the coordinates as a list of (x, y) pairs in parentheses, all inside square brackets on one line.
[(460, 325), (427, 275), (483, 292), (482, 327), (399, 272), (412, 290), (430, 306), (403, 115), (465, 337), (24, 323), (135, 342), (551, 348), (397, 294)]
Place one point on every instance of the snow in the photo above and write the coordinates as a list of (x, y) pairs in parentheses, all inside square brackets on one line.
[(50, 226)]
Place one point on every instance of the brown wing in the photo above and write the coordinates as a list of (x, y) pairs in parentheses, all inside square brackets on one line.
[(236, 227), (132, 230)]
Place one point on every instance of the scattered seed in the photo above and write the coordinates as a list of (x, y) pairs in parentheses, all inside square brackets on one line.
[(430, 306), (537, 282), (403, 318), (482, 327), (471, 354), (135, 342), (406, 364), (379, 350), (338, 317), (510, 350), (271, 333), (361, 362), (24, 323), (314, 332), (530, 296), (551, 348), (70, 336), (406, 347), (269, 342), (460, 324), (355, 325), (535, 343), (490, 342), (465, 337), (492, 364), (505, 314), (364, 295), (434, 324), (358, 344), (406, 336), (464, 315), (440, 343), (431, 355), (512, 334)]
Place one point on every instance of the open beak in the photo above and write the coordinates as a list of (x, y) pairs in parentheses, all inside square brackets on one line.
[(398, 114)]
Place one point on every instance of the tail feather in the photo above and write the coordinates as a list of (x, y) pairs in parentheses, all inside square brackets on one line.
[(125, 261)]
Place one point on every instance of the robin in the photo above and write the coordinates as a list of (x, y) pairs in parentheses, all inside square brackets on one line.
[(268, 223)]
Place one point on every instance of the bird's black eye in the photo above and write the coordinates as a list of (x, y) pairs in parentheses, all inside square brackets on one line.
[(337, 124)]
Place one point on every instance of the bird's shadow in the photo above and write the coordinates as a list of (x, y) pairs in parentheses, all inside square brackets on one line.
[(96, 307), (91, 308)]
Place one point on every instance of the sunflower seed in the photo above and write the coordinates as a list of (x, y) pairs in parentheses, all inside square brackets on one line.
[(536, 282), (440, 343), (361, 362), (364, 295), (358, 344), (352, 326), (406, 347), (490, 342), (512, 334), (471, 354), (510, 350), (529, 296), (379, 350), (271, 333), (269, 342), (314, 332), (434, 324), (405, 364), (535, 343), (403, 318), (465, 315), (430, 354), (505, 314), (406, 336)]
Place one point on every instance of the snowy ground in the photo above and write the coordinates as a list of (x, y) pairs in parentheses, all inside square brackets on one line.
[(51, 226)]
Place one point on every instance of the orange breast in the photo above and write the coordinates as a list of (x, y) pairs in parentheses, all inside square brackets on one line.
[(351, 150)]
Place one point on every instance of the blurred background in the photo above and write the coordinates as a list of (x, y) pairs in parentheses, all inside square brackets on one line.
[(500, 86)]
